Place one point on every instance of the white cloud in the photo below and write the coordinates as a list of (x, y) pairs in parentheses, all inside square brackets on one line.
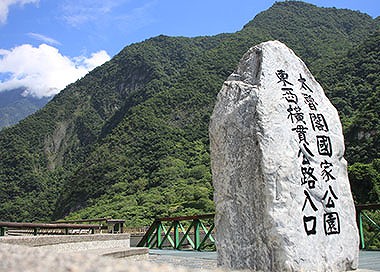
[(43, 70), (5, 4), (94, 60), (43, 38)]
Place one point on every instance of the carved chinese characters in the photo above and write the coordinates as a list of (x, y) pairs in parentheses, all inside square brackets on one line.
[(303, 122), (282, 196)]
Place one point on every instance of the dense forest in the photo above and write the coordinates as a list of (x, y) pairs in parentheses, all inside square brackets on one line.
[(130, 139)]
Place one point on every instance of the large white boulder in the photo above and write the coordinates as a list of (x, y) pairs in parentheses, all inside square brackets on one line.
[(283, 199)]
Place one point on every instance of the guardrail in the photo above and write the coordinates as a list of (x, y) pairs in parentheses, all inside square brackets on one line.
[(113, 225), (175, 235), (44, 228), (108, 225), (367, 225)]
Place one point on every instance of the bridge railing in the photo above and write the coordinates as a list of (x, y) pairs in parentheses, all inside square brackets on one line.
[(112, 225), (17, 228), (368, 218), (171, 232)]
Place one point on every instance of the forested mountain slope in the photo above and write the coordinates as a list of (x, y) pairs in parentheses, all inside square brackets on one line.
[(130, 139), (354, 84)]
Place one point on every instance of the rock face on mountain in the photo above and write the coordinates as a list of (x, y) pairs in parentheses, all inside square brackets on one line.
[(282, 195)]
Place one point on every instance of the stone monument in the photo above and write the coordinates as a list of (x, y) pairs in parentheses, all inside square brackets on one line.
[(282, 195)]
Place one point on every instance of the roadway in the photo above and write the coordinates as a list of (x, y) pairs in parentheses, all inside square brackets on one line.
[(368, 260)]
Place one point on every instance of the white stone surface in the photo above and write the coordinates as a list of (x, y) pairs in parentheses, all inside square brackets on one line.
[(263, 185), (85, 246), (15, 258), (45, 240)]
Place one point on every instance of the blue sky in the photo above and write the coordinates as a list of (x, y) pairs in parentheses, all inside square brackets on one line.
[(47, 44)]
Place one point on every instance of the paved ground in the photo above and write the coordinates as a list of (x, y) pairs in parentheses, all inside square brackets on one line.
[(192, 259), (368, 260)]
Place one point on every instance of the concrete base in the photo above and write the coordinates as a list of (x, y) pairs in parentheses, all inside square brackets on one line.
[(110, 245), (16, 258), (37, 241), (134, 253)]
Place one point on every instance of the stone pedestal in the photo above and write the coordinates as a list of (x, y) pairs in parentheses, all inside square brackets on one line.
[(283, 199)]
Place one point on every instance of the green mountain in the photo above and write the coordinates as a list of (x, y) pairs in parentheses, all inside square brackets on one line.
[(354, 83), (130, 139), (14, 106)]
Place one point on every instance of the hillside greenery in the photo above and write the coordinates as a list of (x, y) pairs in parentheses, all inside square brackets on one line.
[(354, 85), (130, 139)]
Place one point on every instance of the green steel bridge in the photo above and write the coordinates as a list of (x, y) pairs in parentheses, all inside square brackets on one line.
[(191, 237), (195, 232)]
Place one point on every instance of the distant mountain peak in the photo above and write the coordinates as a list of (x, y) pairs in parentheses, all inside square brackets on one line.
[(15, 105)]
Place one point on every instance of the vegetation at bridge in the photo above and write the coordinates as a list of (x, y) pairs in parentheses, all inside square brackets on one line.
[(130, 139)]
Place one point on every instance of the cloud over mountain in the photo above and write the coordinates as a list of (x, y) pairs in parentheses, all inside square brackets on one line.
[(43, 70)]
